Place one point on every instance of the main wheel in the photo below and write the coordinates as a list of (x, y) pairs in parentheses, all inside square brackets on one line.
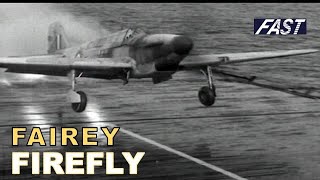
[(80, 107), (206, 96)]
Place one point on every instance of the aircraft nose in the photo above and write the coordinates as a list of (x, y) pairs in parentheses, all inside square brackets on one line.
[(182, 45)]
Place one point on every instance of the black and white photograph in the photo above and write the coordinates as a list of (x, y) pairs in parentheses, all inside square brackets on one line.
[(174, 91)]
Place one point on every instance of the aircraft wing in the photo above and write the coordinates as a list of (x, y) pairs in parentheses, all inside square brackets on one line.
[(61, 66), (198, 61), (215, 60), (232, 75)]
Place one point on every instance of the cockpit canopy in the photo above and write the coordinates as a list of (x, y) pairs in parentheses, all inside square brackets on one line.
[(116, 39)]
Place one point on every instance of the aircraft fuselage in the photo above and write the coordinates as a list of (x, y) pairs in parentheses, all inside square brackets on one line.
[(156, 56)]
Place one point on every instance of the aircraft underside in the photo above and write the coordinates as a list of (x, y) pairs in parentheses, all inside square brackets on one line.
[(78, 99)]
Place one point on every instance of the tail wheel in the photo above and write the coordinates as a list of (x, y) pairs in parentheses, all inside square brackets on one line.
[(206, 96), (80, 107)]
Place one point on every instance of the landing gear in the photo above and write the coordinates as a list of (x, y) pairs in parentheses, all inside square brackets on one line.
[(81, 106), (207, 94), (126, 77), (78, 99)]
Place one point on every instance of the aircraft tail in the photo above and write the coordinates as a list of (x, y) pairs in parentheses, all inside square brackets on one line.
[(57, 39)]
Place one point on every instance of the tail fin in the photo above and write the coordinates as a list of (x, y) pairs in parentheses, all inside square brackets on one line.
[(56, 38)]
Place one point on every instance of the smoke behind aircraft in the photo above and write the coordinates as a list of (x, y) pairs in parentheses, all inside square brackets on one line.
[(24, 28)]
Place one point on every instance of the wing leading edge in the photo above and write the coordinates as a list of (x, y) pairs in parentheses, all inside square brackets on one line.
[(60, 66), (197, 61), (241, 77)]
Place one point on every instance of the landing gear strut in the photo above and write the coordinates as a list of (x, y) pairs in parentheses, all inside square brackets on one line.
[(78, 99), (207, 94)]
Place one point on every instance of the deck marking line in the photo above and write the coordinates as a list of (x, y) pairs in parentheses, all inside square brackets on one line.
[(181, 154)]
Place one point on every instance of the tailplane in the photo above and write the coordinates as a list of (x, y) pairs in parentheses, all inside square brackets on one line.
[(57, 39)]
